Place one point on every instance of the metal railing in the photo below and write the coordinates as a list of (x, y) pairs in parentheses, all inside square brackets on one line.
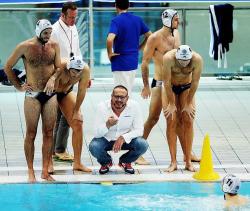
[(185, 20)]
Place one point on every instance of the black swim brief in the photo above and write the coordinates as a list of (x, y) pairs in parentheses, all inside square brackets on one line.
[(61, 95), (156, 83), (180, 88), (42, 97)]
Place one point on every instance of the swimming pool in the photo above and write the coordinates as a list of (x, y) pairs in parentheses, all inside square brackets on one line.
[(143, 196)]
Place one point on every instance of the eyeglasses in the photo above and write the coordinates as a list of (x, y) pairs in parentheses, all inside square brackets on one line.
[(117, 97)]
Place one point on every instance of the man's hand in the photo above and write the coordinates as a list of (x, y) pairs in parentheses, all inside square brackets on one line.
[(110, 55), (145, 93), (190, 109), (111, 121), (77, 115), (25, 87), (49, 88), (171, 108), (118, 144)]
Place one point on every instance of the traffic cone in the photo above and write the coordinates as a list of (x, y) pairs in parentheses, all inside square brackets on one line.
[(206, 171)]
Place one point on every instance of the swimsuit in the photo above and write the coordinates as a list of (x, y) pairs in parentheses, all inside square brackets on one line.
[(42, 97), (61, 95), (156, 83), (180, 88)]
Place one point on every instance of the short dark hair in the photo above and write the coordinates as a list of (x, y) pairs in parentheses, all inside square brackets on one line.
[(68, 5), (121, 87), (122, 4)]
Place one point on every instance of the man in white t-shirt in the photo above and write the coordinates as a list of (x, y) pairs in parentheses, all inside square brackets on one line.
[(66, 34)]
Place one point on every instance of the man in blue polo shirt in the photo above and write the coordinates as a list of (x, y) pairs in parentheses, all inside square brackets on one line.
[(123, 44)]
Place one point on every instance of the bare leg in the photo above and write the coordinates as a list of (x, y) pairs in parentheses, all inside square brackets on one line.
[(154, 111), (32, 111), (188, 137), (180, 134), (49, 112), (77, 137), (153, 117), (67, 105), (171, 136), (187, 132), (51, 166)]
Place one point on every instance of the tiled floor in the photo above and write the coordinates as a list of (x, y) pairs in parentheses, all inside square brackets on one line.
[(223, 112)]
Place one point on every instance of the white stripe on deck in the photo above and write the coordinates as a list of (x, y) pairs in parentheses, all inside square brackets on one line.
[(137, 167), (121, 178)]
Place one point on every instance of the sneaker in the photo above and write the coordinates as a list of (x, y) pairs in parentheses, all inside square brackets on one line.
[(64, 157), (127, 167), (105, 168)]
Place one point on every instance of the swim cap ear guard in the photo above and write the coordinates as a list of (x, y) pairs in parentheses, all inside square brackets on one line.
[(167, 17), (184, 52), (76, 63), (41, 25), (230, 184)]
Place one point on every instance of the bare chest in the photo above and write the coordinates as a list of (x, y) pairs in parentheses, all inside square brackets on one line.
[(65, 82), (185, 71), (40, 56), (165, 44)]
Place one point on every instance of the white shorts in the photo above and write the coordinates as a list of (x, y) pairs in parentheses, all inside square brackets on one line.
[(125, 78)]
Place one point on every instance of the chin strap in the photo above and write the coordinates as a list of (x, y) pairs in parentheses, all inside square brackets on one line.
[(41, 41)]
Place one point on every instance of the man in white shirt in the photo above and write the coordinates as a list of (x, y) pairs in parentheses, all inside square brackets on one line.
[(118, 126), (66, 34)]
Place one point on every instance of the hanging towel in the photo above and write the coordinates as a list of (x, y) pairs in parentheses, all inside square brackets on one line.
[(221, 31)]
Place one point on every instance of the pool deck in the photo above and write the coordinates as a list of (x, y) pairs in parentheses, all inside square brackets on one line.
[(223, 112)]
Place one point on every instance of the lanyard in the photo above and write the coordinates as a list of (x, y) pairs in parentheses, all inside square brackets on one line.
[(70, 40)]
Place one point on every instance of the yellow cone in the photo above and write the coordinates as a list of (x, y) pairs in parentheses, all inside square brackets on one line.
[(106, 183), (206, 171)]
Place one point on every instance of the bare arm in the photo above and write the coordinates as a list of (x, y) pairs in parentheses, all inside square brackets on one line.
[(58, 69), (143, 43), (50, 86), (196, 74), (177, 40), (166, 75), (168, 63), (110, 43), (147, 56), (12, 60)]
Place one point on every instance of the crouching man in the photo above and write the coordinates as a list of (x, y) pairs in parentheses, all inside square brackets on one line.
[(118, 126)]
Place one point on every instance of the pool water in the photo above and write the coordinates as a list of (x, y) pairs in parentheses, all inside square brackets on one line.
[(143, 196)]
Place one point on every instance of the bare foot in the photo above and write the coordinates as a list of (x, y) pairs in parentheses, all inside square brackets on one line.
[(51, 167), (47, 177), (141, 161), (190, 167), (81, 167), (193, 158), (31, 176), (172, 167)]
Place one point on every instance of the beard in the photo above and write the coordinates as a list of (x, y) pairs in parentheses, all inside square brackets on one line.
[(118, 105), (42, 41)]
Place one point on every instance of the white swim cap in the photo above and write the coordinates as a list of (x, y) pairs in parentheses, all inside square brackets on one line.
[(42, 25), (184, 52), (167, 17), (76, 63), (230, 184)]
